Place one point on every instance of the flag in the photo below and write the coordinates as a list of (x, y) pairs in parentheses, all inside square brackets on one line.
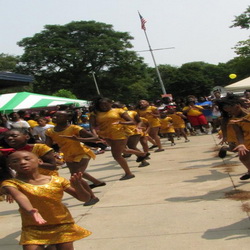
[(143, 21)]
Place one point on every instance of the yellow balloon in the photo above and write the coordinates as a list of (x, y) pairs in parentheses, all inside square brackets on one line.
[(232, 76)]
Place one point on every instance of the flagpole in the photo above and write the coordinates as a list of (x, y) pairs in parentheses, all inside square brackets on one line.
[(156, 67)]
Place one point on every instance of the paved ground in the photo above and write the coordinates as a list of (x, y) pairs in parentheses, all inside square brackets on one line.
[(178, 202)]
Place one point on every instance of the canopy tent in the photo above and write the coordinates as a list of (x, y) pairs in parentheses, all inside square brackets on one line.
[(239, 86), (24, 100)]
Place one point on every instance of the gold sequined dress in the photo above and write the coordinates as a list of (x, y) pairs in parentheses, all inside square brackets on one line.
[(60, 226)]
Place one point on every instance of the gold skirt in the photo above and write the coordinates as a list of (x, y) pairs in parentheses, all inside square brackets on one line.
[(52, 234)]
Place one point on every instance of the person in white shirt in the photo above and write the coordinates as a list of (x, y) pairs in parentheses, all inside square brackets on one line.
[(39, 131), (16, 122)]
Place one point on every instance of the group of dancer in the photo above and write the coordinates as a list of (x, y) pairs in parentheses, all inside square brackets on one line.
[(29, 171)]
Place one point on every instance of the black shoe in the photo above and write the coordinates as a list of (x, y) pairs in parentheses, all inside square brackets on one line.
[(97, 185), (245, 176), (144, 164), (223, 152), (153, 146), (141, 158)]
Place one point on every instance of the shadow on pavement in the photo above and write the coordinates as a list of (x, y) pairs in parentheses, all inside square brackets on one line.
[(234, 231)]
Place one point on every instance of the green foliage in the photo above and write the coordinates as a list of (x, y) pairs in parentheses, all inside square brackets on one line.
[(197, 78), (239, 66), (66, 55), (243, 21), (62, 58), (8, 62), (65, 93)]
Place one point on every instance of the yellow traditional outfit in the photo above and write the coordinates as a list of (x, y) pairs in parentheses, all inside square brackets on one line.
[(147, 113), (133, 128), (106, 127), (166, 125), (244, 124), (144, 125), (178, 121), (73, 151), (60, 226)]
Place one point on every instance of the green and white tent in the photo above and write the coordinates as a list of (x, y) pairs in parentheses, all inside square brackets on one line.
[(24, 100)]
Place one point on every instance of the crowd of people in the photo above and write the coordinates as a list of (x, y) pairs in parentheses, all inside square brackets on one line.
[(34, 146)]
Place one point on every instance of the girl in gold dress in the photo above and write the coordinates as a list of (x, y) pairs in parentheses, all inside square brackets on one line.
[(152, 115), (70, 139), (17, 140), (233, 106), (45, 220), (111, 124)]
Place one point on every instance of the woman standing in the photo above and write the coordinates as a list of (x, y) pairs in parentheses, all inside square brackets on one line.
[(152, 115), (109, 123)]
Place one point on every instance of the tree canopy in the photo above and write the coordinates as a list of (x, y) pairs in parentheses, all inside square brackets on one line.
[(64, 57), (243, 21), (8, 62)]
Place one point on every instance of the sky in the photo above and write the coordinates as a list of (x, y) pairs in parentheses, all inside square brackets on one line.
[(199, 30)]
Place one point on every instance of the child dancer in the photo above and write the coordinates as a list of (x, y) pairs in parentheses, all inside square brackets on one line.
[(152, 114), (76, 155), (178, 123), (167, 129), (17, 139), (234, 107), (45, 220)]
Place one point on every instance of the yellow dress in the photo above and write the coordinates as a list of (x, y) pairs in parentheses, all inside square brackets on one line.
[(106, 128), (133, 128), (73, 151), (153, 121), (60, 226), (144, 125), (166, 125), (178, 121), (245, 127)]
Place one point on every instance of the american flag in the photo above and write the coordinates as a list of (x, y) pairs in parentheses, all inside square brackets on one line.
[(143, 21)]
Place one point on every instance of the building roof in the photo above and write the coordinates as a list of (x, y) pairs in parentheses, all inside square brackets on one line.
[(9, 79)]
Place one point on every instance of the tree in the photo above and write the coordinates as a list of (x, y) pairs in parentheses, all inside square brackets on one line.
[(65, 93), (197, 78), (243, 21), (64, 57), (8, 62)]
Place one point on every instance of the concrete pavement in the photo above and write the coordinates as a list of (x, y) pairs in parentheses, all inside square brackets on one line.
[(178, 202)]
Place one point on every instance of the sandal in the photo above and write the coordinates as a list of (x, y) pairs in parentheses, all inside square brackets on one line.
[(127, 177), (91, 202), (159, 150), (97, 185), (141, 158)]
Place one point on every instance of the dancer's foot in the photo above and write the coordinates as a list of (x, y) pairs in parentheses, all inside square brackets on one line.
[(141, 158), (97, 185), (144, 164), (91, 202), (222, 153), (127, 177), (245, 176), (159, 150)]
